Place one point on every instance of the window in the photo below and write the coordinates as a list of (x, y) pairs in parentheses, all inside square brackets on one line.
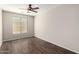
[(19, 25)]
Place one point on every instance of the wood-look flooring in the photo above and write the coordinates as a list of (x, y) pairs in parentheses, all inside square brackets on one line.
[(31, 45)]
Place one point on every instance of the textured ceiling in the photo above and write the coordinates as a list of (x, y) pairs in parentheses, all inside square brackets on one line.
[(18, 7)]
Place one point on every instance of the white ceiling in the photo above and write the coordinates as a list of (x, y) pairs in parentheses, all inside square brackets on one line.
[(17, 7)]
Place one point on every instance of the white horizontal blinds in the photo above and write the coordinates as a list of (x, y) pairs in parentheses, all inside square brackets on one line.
[(23, 24), (19, 25), (16, 24)]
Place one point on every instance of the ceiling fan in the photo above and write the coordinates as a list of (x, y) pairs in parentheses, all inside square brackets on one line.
[(30, 8)]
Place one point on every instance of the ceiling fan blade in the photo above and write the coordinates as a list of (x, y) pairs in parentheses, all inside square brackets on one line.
[(36, 8), (34, 11), (30, 8)]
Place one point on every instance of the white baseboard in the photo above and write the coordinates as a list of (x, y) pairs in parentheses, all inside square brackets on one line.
[(17, 38), (57, 44)]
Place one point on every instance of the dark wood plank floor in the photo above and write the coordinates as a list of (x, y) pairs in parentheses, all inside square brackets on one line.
[(31, 45)]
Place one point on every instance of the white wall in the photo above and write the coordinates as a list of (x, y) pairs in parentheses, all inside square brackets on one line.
[(0, 27), (7, 26), (60, 26)]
